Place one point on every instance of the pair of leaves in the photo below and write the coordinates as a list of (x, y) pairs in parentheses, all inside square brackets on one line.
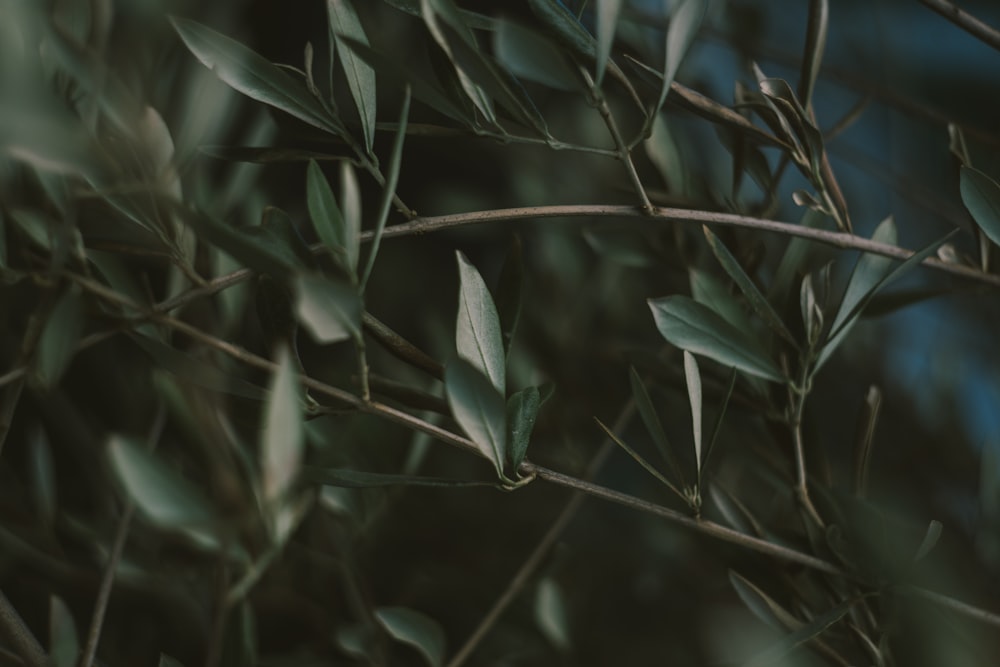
[(476, 380), (871, 274)]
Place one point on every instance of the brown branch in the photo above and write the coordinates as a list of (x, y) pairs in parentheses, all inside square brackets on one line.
[(966, 21), (18, 634)]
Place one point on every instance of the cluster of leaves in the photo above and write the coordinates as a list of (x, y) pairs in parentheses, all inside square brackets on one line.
[(153, 360)]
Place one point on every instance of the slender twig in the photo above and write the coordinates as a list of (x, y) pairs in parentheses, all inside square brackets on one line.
[(534, 560), (114, 557), (528, 469), (966, 21), (801, 474), (19, 635), (427, 224), (401, 348)]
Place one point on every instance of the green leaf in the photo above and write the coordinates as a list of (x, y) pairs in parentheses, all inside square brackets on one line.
[(627, 247), (64, 645), (837, 335), (432, 11), (389, 189), (981, 195), (692, 326), (415, 629), (264, 249), (762, 606), (646, 465), (360, 479), (510, 293), (607, 21), (196, 371), (360, 75), (718, 420), (654, 426), (550, 613), (757, 300), (684, 24), (930, 540), (478, 337), (254, 76), (522, 410), (281, 447), (819, 13), (479, 409), (167, 661), (160, 494), (42, 477), (805, 634), (58, 341), (331, 227), (693, 378), (530, 56), (401, 73), (329, 309), (867, 273), (712, 292)]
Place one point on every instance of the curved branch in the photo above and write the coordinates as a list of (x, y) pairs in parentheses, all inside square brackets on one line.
[(966, 21)]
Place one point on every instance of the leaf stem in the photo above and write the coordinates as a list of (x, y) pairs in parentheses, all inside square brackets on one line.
[(624, 153)]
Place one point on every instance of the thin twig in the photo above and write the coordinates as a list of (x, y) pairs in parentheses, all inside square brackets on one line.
[(118, 546), (401, 348), (527, 468), (966, 21), (534, 560), (19, 635)]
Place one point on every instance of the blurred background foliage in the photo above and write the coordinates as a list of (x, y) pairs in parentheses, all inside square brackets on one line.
[(110, 130)]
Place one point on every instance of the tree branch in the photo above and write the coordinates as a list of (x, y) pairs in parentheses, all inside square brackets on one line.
[(966, 21)]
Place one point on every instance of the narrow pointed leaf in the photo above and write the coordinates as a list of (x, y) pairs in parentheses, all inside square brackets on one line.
[(837, 335), (282, 442), (531, 57), (478, 337), (196, 371), (479, 409), (328, 221), (415, 629), (389, 189), (693, 378), (684, 24), (360, 479), (762, 605), (254, 76), (646, 465), (329, 309), (360, 75), (550, 613), (401, 74), (930, 540), (805, 634), (693, 327), (64, 643), (433, 11), (522, 410), (607, 21), (161, 495), (59, 338), (757, 300), (510, 293), (654, 426), (718, 420), (712, 292), (867, 273), (819, 14), (981, 195)]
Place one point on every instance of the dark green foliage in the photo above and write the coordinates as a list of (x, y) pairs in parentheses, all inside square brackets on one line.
[(312, 362)]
